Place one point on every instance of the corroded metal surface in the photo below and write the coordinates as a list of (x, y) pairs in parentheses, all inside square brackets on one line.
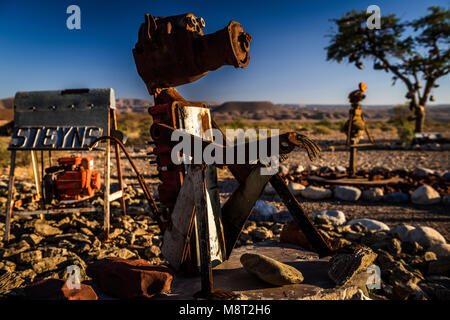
[(164, 42)]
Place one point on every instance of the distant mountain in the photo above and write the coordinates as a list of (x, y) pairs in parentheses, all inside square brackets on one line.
[(128, 105)]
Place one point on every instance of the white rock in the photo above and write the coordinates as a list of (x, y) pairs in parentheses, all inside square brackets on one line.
[(340, 169), (402, 230), (295, 188), (336, 217), (371, 224), (283, 169), (422, 172), (425, 236), (425, 195), (440, 249), (263, 211), (311, 167), (299, 169), (316, 193), (372, 195), (347, 193)]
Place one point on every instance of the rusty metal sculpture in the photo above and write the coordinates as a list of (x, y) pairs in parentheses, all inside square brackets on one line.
[(355, 125), (173, 51)]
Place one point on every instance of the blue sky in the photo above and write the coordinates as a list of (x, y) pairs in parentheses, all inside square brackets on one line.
[(288, 59)]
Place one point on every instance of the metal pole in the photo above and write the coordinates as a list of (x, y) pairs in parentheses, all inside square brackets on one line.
[(9, 203), (118, 164), (106, 217)]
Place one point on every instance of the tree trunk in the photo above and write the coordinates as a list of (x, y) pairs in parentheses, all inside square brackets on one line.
[(420, 118)]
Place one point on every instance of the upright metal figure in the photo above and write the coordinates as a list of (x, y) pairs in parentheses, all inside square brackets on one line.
[(355, 125)]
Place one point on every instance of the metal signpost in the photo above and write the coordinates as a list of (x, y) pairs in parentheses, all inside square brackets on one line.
[(68, 120)]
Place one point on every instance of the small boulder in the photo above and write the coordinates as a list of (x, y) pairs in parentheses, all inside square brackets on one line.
[(270, 270), (401, 231), (15, 248), (336, 217), (299, 169), (440, 266), (422, 172), (440, 249), (316, 193), (372, 195), (263, 211), (261, 234), (396, 197), (348, 262), (283, 169), (371, 224), (425, 195), (46, 230), (56, 289), (347, 193), (425, 236), (269, 190), (295, 188), (340, 169)]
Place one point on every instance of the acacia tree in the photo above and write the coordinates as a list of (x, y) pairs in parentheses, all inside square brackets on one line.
[(411, 51)]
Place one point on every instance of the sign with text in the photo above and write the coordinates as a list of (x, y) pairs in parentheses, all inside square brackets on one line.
[(61, 120)]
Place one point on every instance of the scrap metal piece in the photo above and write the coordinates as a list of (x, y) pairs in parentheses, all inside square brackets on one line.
[(173, 51)]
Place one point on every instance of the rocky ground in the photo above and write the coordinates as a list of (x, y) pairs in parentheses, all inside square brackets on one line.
[(411, 265)]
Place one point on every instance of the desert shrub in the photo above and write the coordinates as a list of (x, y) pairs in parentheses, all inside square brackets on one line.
[(402, 120), (320, 129)]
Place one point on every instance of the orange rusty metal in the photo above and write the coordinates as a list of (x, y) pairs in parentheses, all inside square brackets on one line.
[(173, 51)]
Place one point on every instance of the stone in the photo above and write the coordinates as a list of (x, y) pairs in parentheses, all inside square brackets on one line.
[(336, 217), (316, 193), (29, 257), (372, 195), (411, 247), (261, 234), (295, 188), (425, 236), (346, 193), (429, 256), (340, 169), (282, 217), (396, 197), (440, 249), (401, 231), (394, 246), (152, 252), (122, 253), (370, 224), (283, 170), (49, 264), (7, 266), (299, 169), (270, 270), (425, 195), (292, 234), (348, 262), (46, 230), (436, 291), (395, 271), (263, 211), (127, 279), (422, 172), (74, 238), (32, 239), (440, 266), (311, 167), (56, 289), (15, 248), (446, 200)]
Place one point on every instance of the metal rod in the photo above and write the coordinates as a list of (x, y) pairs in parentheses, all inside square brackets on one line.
[(9, 200), (142, 183), (118, 164)]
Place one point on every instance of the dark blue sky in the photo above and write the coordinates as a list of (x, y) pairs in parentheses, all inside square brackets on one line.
[(288, 59)]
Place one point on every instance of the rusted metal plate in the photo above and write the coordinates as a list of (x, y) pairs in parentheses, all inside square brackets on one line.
[(61, 120)]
